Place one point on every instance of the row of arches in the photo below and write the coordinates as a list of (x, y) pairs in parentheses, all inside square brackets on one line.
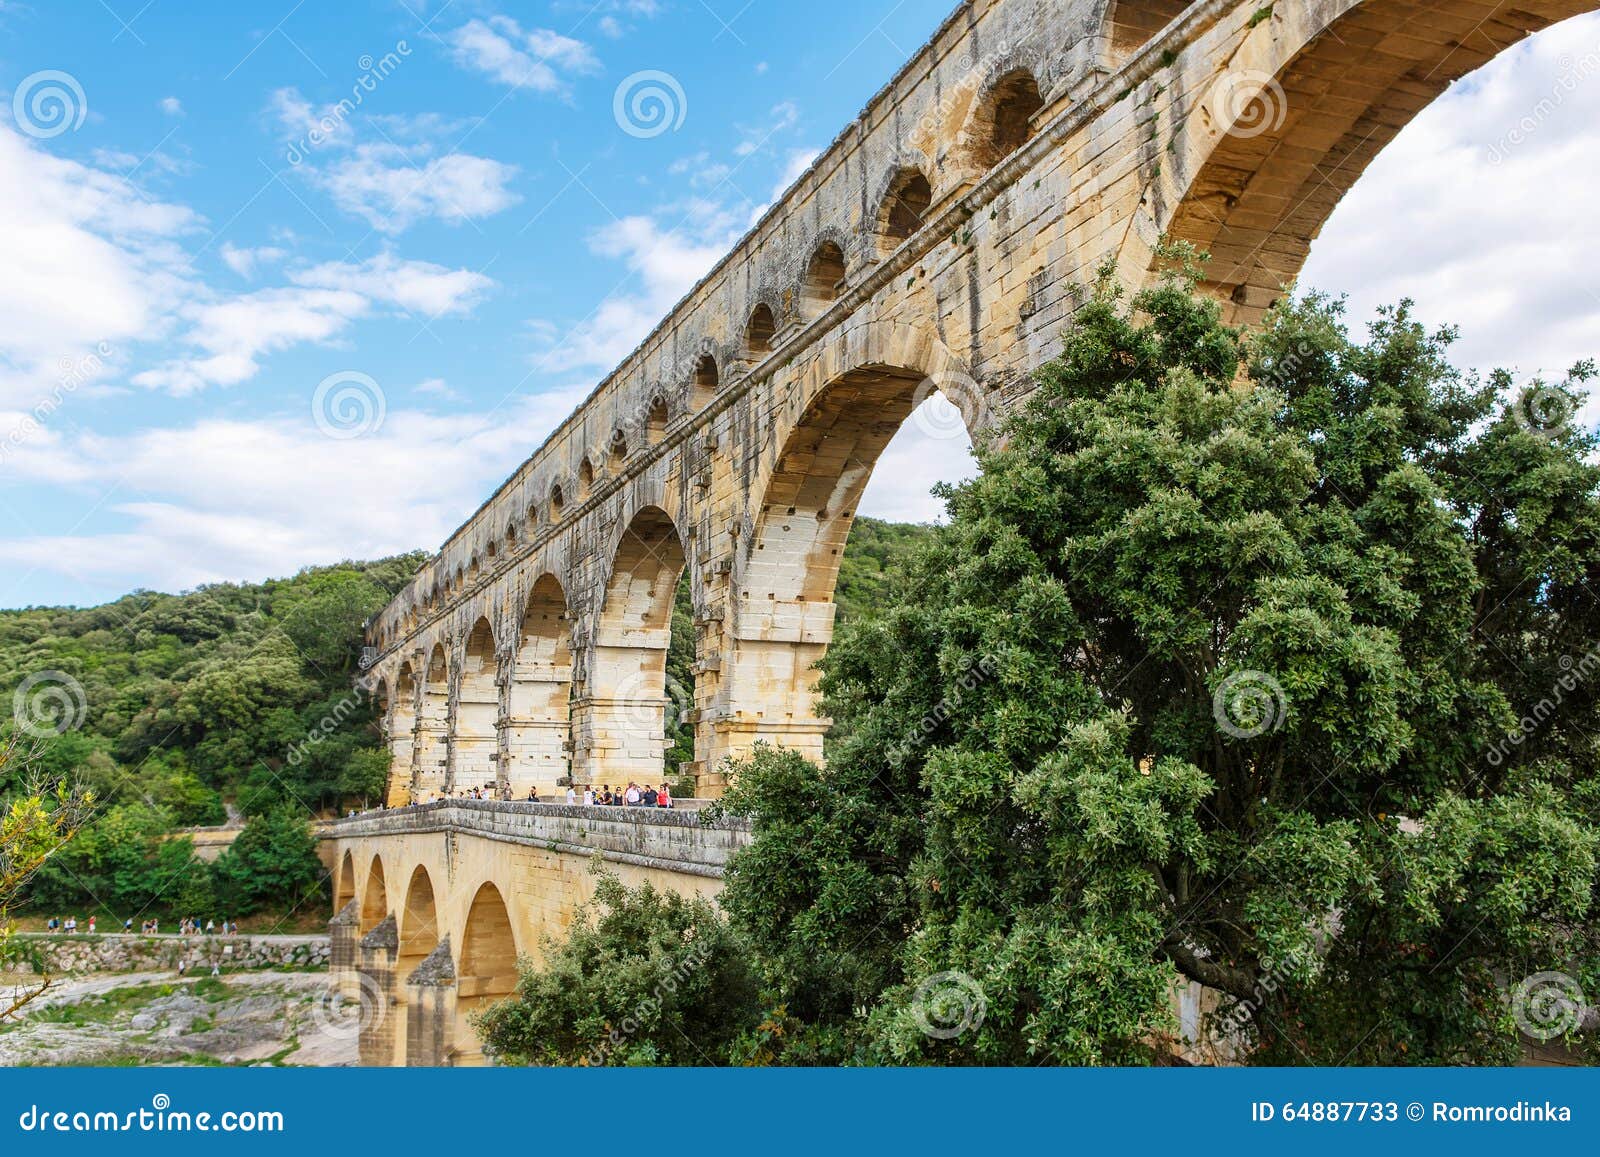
[(472, 738), (559, 697), (483, 954), (1003, 118)]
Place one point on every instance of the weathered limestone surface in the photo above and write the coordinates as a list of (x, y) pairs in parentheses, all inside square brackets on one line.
[(493, 879), (939, 245)]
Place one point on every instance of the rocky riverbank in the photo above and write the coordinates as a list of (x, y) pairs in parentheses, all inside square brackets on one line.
[(158, 1018)]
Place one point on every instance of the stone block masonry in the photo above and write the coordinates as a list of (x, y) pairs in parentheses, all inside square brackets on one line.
[(939, 245)]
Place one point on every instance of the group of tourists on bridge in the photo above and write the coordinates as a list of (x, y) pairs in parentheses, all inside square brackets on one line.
[(632, 796)]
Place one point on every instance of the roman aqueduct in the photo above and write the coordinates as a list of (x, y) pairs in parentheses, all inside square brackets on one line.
[(938, 245)]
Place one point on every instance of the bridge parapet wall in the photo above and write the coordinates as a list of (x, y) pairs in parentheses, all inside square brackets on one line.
[(665, 839)]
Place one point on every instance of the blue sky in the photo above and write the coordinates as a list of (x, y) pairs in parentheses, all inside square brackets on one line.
[(480, 240)]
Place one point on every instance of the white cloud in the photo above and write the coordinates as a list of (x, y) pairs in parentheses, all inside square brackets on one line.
[(665, 262), (409, 175), (1502, 249), (172, 106), (213, 501), (534, 58), (229, 337), (392, 191), (90, 263), (438, 388), (414, 286), (245, 262), (232, 336), (783, 116), (921, 453)]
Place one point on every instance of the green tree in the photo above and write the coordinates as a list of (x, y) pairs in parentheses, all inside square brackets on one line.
[(273, 864), (643, 978), (1216, 673), (34, 826)]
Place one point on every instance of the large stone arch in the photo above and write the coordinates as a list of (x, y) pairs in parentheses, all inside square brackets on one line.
[(418, 921), (846, 407), (432, 750), (1281, 114), (477, 710), (344, 883), (400, 723), (488, 968), (539, 743), (374, 897), (620, 721)]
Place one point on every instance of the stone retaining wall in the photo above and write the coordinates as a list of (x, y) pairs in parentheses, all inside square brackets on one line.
[(114, 952)]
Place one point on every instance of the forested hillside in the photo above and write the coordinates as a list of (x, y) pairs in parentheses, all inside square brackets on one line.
[(191, 700), (189, 708)]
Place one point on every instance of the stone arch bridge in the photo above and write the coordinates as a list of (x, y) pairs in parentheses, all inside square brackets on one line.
[(938, 245)]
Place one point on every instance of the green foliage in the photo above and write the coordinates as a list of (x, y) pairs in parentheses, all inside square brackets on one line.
[(1218, 676), (643, 978), (273, 864), (34, 825), (231, 694)]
